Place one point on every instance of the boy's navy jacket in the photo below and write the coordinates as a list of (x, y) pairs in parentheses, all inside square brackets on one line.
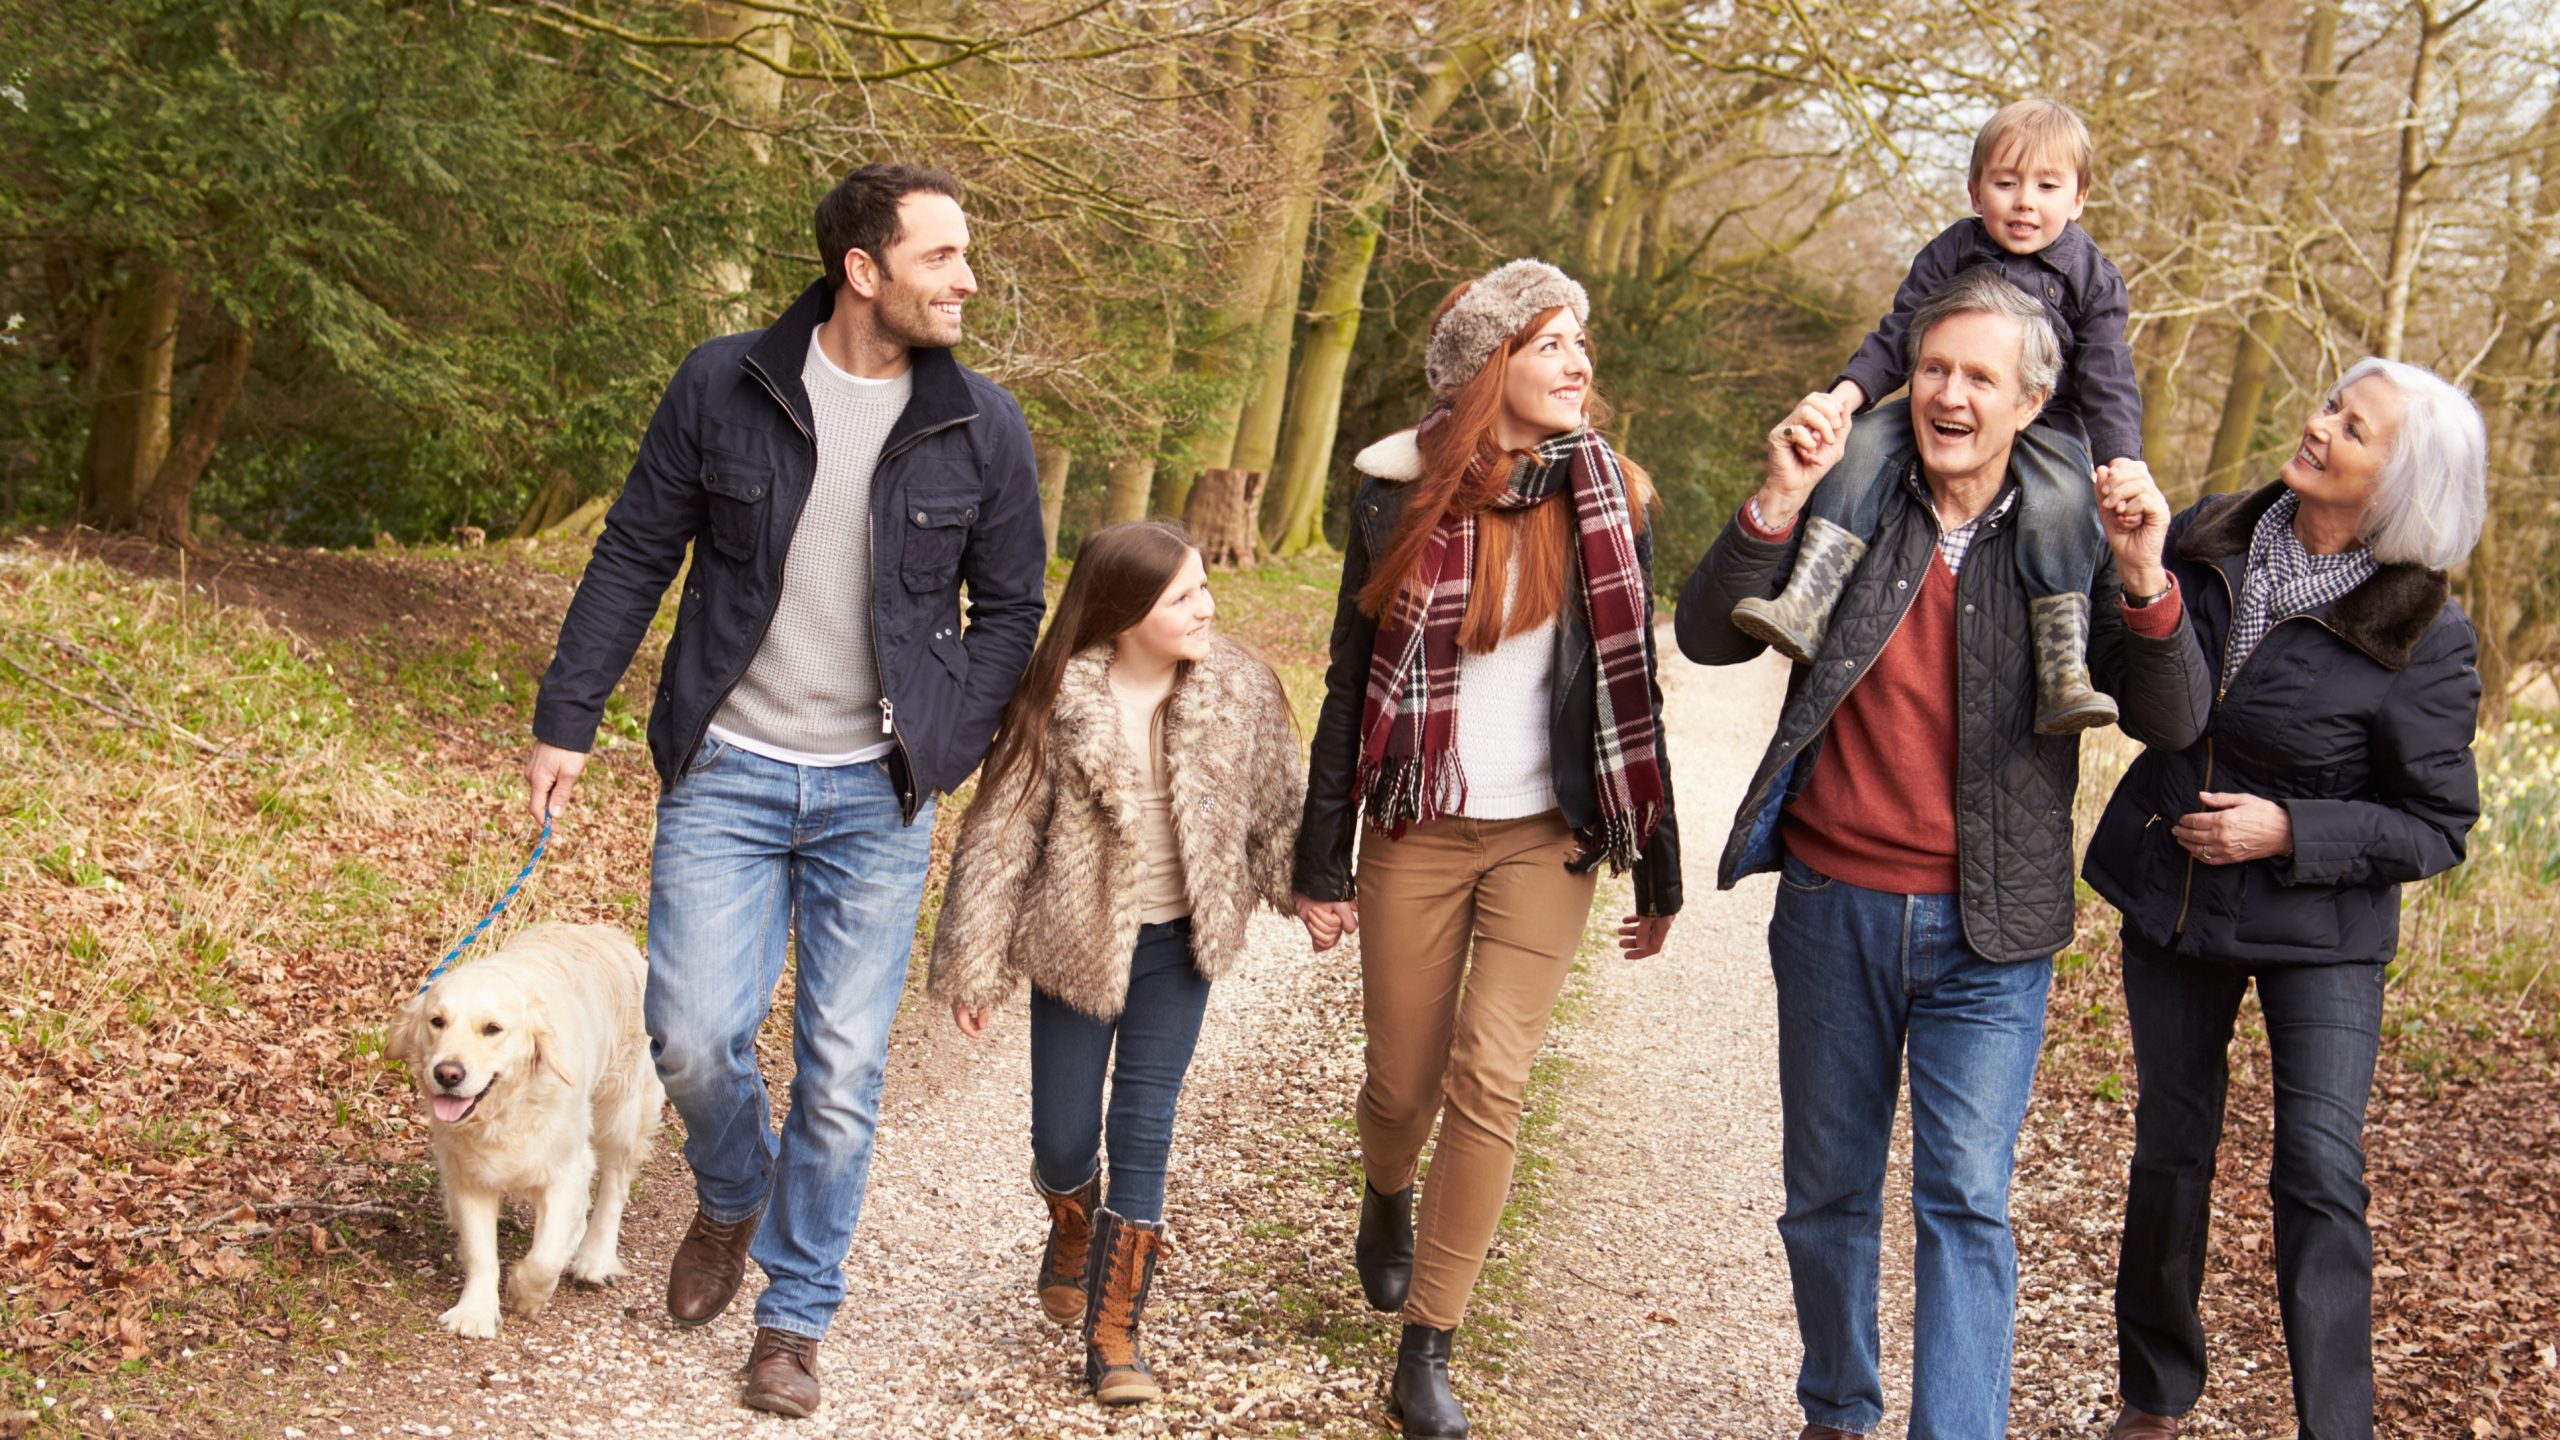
[(724, 470), (2082, 295)]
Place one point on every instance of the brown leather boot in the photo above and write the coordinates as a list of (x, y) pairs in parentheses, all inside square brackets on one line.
[(1118, 1273), (782, 1374), (709, 1263), (1070, 1236), (2133, 1424)]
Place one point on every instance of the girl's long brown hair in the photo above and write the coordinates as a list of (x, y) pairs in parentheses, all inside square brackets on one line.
[(1463, 473), (1120, 572)]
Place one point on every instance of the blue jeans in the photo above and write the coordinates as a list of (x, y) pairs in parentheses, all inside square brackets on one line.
[(2324, 1027), (1070, 1050), (2059, 539), (1864, 978), (750, 853)]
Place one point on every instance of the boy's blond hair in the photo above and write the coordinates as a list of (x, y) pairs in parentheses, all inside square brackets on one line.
[(2036, 127)]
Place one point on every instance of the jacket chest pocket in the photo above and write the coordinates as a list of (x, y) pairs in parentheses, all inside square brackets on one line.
[(937, 531), (740, 498)]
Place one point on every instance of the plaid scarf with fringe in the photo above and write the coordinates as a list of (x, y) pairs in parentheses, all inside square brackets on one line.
[(1409, 767)]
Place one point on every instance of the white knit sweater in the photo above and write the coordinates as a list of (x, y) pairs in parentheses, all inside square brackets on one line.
[(1503, 724)]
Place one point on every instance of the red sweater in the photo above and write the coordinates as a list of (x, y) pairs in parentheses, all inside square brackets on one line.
[(1879, 810)]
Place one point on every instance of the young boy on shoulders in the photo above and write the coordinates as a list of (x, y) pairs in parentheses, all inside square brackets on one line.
[(2029, 180)]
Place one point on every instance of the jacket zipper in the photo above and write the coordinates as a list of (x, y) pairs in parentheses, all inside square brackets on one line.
[(2221, 688)]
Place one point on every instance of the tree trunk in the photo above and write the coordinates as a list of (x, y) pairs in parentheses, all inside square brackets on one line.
[(1257, 437), (2415, 166), (752, 94), (1053, 461), (2251, 360), (166, 510), (2160, 391), (556, 500), (1315, 391), (137, 346), (2495, 597), (1221, 516), (1126, 492), (1250, 333)]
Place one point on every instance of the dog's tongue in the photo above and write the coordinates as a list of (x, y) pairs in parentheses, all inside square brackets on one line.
[(450, 1108)]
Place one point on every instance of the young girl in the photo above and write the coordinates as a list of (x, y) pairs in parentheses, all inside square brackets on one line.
[(1491, 708), (1142, 794)]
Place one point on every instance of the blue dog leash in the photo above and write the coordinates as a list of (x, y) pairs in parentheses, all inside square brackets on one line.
[(540, 842)]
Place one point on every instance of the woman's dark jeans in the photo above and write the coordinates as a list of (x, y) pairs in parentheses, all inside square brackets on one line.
[(1070, 1051), (2324, 1025)]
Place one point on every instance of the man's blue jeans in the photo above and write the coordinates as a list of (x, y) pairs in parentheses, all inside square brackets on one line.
[(1864, 978), (751, 852)]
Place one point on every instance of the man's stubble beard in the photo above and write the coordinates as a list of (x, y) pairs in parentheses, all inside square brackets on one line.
[(906, 316)]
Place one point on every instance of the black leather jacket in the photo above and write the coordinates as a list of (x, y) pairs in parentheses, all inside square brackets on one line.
[(2013, 786), (724, 470), (1332, 820)]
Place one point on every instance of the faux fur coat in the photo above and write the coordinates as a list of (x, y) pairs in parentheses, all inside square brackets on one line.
[(1050, 894)]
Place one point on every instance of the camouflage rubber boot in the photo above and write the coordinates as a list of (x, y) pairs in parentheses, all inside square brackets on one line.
[(1118, 1274), (1062, 1263), (2066, 703), (1796, 621)]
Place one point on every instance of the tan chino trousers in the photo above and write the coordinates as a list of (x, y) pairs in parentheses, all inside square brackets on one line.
[(1453, 1040)]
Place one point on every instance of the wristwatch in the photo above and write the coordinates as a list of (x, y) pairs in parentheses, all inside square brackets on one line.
[(2145, 602)]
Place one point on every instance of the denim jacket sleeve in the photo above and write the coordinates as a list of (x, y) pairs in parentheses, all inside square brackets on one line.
[(660, 511)]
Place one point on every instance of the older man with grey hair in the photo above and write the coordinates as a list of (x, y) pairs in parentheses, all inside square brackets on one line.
[(1922, 831)]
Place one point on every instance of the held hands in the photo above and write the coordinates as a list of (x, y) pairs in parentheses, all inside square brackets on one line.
[(1640, 937), (2233, 828), (550, 773), (1802, 449), (1327, 921), (2135, 517)]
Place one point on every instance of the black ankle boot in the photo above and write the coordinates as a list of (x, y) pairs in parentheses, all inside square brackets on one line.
[(1419, 1396), (1384, 1250)]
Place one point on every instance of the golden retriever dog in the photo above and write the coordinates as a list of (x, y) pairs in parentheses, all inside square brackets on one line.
[(535, 1070)]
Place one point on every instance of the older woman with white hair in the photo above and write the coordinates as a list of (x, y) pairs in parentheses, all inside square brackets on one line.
[(2336, 767)]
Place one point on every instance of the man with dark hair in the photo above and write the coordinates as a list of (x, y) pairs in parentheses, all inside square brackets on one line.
[(838, 478)]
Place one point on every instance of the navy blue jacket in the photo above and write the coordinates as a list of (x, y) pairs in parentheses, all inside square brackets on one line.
[(2355, 716), (725, 469), (2082, 295)]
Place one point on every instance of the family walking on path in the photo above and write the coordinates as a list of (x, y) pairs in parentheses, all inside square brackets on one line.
[(1965, 580)]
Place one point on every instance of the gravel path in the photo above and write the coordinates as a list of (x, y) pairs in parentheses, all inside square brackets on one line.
[(1660, 1297)]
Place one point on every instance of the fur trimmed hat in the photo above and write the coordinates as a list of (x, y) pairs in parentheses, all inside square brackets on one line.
[(1493, 309)]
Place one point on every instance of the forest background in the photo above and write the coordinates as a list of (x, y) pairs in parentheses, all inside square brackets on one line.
[(317, 271)]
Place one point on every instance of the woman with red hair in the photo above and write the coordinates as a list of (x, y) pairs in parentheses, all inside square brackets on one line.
[(1492, 711)]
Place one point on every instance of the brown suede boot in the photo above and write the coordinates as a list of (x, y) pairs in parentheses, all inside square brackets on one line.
[(782, 1374), (2133, 1424), (1118, 1273), (710, 1262), (1062, 1264)]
